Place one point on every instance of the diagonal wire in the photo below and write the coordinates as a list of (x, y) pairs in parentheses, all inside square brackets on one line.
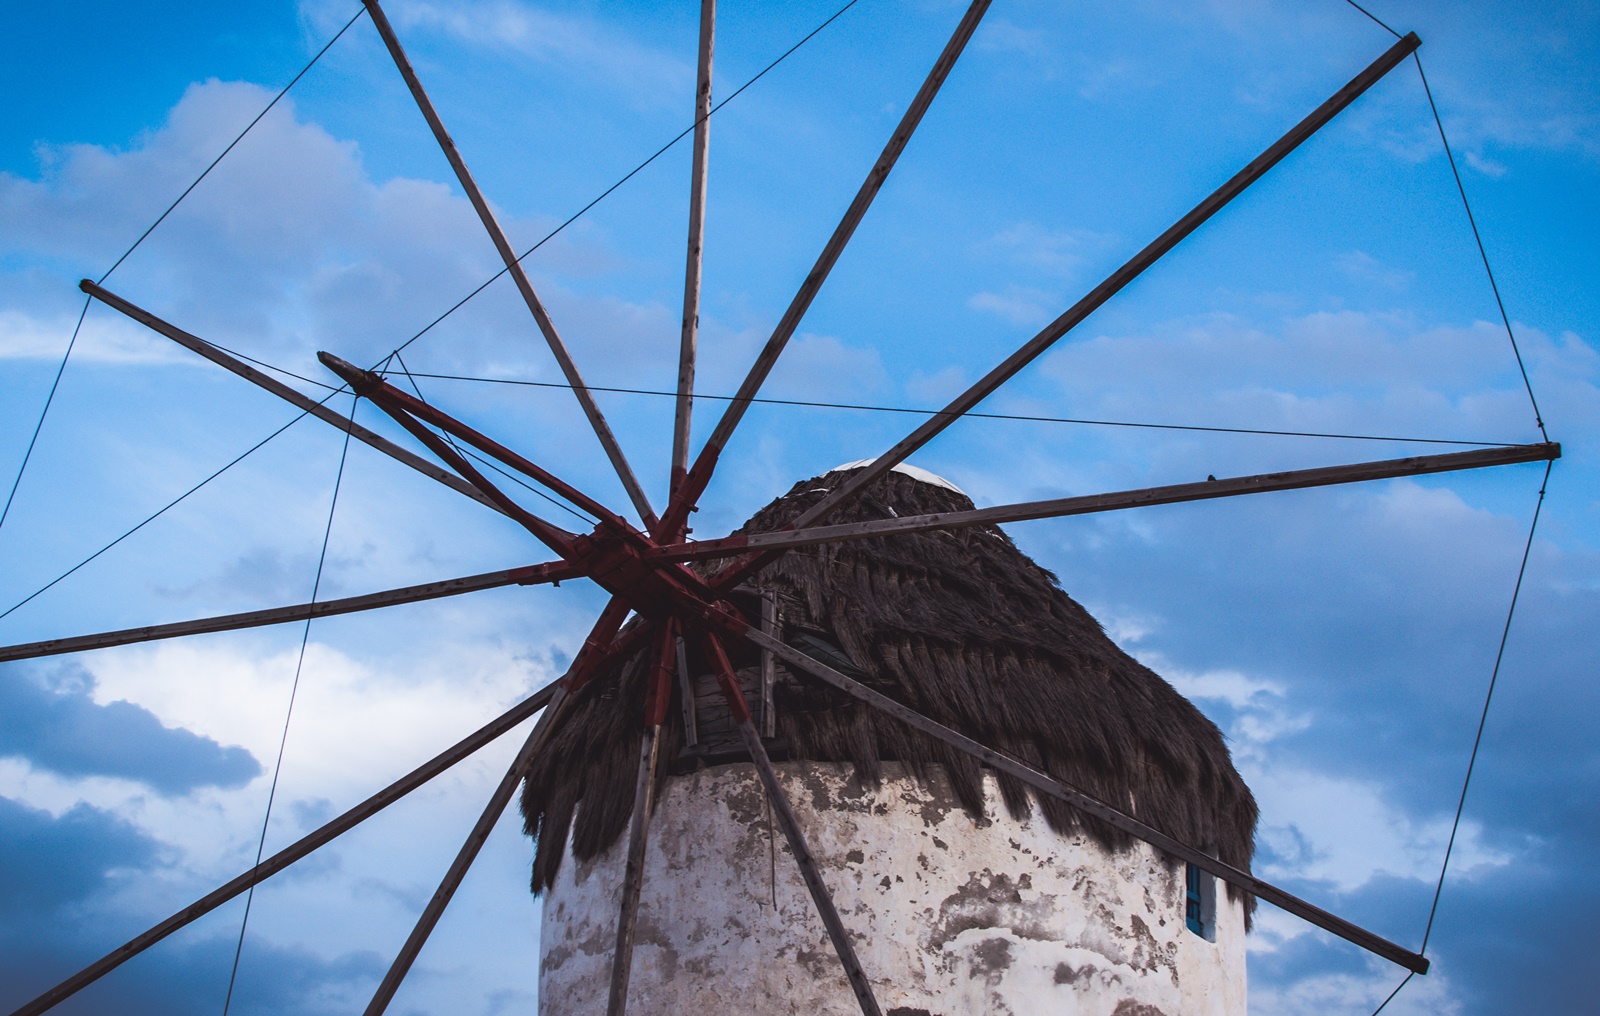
[(984, 416), (48, 400), (294, 688), (633, 172), (1478, 239), (1385, 1003), (1477, 740), (460, 303), (1379, 22), (206, 172), (482, 460), (158, 513), (457, 306), (1488, 697)]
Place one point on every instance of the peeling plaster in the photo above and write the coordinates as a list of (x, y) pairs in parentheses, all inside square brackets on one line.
[(948, 915)]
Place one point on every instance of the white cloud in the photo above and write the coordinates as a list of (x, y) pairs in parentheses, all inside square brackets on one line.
[(1056, 253), (1320, 994), (1485, 165), (585, 45), (1363, 267), (106, 337), (1018, 305)]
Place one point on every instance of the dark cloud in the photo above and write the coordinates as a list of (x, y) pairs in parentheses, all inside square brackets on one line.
[(55, 724), (60, 879), (1377, 616), (51, 863)]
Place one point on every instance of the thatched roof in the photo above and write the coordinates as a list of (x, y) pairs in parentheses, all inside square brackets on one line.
[(962, 626)]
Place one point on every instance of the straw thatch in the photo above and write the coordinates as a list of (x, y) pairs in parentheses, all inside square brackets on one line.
[(961, 626)]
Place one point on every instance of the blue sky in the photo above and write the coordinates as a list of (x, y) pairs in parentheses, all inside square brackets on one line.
[(1342, 637)]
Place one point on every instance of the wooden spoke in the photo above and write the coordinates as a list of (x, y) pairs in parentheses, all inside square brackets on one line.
[(1045, 784), (695, 484), (664, 664), (502, 244), (1117, 280), (552, 536), (372, 386), (300, 848), (697, 234), (284, 392), (691, 733), (1259, 483), (529, 575), (784, 812), (597, 647)]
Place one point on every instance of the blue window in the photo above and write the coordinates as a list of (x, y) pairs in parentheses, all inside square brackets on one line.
[(1194, 904)]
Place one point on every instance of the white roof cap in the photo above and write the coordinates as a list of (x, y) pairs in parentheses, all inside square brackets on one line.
[(915, 472)]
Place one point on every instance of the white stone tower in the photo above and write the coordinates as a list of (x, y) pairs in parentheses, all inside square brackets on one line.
[(961, 894)]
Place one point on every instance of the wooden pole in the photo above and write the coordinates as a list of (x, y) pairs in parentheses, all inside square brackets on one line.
[(552, 536), (644, 791), (790, 823), (769, 667), (1117, 280), (284, 392), (284, 858), (697, 234), (372, 386), (1259, 483), (556, 571), (508, 255), (691, 734), (695, 483), (594, 649), (1046, 784)]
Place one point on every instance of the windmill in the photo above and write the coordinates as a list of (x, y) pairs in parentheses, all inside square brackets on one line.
[(641, 562)]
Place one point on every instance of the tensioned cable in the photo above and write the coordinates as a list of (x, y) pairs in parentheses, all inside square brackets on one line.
[(690, 129), (1472, 221), (1483, 719), (1482, 253), (482, 460), (1379, 22), (204, 173), (985, 416), (632, 172), (48, 399), (1410, 974), (294, 688), (160, 512), (1494, 677)]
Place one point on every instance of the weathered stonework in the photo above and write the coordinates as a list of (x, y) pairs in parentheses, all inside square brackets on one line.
[(950, 916)]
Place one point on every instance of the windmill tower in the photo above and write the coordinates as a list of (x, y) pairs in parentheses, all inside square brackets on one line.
[(979, 798), (963, 892)]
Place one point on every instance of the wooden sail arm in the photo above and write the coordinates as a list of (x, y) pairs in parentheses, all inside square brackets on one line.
[(628, 642), (373, 386), (694, 484), (783, 811), (324, 835), (283, 391), (555, 571), (1045, 784), (1114, 283), (1204, 490), (688, 341), (663, 666), (558, 348), (382, 394), (598, 647)]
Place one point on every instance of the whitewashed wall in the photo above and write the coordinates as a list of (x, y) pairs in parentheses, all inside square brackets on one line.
[(949, 916)]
